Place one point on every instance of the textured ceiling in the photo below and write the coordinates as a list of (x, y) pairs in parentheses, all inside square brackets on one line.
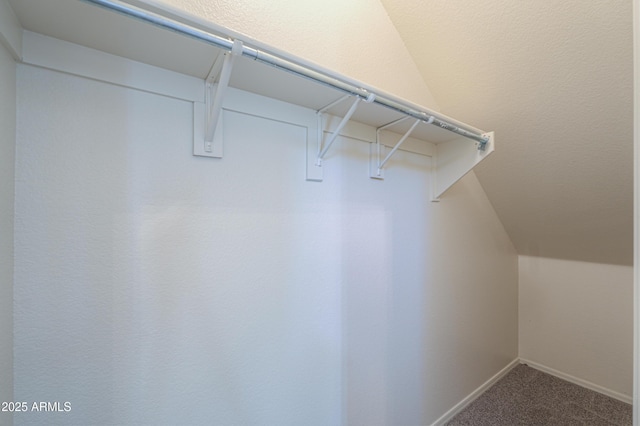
[(554, 80)]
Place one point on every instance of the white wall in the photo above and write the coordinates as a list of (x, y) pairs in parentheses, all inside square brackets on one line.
[(160, 288), (7, 156), (636, 211), (358, 40), (577, 318), (154, 287)]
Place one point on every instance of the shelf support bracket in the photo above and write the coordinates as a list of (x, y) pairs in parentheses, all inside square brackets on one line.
[(482, 145), (376, 165), (216, 85), (214, 106), (323, 148)]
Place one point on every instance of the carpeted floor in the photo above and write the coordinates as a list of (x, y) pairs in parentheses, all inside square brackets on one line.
[(527, 396)]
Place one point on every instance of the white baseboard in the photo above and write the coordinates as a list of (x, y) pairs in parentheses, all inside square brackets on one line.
[(580, 382), (475, 394), (486, 385)]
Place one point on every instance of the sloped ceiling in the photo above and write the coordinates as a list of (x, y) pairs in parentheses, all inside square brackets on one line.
[(554, 80)]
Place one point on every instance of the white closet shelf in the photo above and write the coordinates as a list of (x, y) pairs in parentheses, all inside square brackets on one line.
[(155, 34)]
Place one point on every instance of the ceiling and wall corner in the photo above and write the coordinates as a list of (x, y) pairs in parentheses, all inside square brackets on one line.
[(554, 80)]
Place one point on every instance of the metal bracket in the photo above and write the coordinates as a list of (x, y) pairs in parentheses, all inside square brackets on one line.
[(482, 145), (316, 149), (216, 85), (376, 165), (324, 147)]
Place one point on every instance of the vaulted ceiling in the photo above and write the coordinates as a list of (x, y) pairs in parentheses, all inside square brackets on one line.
[(555, 81)]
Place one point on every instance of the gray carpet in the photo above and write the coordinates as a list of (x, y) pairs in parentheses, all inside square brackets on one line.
[(527, 396)]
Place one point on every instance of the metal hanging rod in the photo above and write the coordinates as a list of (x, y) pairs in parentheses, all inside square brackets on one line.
[(291, 67)]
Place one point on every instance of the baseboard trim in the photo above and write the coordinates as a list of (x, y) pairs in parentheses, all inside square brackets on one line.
[(486, 385), (475, 394), (580, 382)]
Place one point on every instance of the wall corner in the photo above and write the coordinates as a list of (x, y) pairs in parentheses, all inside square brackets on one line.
[(10, 30)]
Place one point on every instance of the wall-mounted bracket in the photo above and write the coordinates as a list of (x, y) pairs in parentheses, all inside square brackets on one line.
[(315, 156), (216, 85), (376, 166), (482, 144), (456, 158), (324, 147)]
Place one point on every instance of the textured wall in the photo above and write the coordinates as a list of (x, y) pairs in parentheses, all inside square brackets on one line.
[(355, 38), (577, 318), (155, 287), (7, 150)]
